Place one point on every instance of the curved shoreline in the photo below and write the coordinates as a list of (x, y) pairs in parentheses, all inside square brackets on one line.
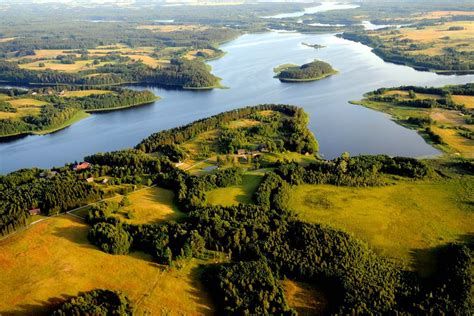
[(80, 115)]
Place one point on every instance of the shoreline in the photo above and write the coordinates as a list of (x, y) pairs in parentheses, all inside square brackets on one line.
[(79, 116)]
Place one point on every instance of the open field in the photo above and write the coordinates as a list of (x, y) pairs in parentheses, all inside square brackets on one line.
[(466, 100), (291, 156), (53, 260), (24, 107), (461, 145), (26, 102), (305, 298), (56, 65), (436, 37), (236, 194), (243, 123), (149, 205), (84, 93), (443, 14), (397, 220)]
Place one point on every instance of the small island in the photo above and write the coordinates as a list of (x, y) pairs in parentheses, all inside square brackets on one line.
[(315, 46), (312, 71)]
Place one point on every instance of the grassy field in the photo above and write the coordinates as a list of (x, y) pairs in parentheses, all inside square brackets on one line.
[(149, 205), (291, 156), (305, 298), (399, 220), (466, 100), (53, 260), (243, 123), (84, 93), (24, 106), (56, 65), (236, 194), (432, 40)]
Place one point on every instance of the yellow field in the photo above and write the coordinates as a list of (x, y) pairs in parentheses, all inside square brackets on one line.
[(243, 123), (396, 220), (436, 32), (25, 102), (444, 14), (53, 260), (150, 205), (173, 27), (148, 60), (24, 107), (51, 53), (56, 65), (458, 143), (404, 94), (304, 298), (466, 100), (21, 112), (438, 36), (84, 93)]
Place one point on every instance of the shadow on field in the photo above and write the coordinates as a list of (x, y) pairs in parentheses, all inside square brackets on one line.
[(198, 293), (424, 261), (40, 309)]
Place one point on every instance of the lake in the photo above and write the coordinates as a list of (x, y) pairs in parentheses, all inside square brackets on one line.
[(247, 71)]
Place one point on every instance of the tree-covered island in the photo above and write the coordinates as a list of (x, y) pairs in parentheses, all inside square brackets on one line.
[(315, 70)]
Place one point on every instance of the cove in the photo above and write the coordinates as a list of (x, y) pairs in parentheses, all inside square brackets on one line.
[(247, 69)]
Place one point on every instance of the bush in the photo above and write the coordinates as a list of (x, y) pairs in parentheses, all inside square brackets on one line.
[(110, 238), (96, 302)]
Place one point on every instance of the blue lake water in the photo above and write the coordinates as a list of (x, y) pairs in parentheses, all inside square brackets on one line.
[(247, 71)]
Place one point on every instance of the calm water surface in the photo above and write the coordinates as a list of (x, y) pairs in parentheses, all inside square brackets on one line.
[(247, 70)]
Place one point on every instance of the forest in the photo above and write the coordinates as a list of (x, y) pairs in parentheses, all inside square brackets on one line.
[(179, 73), (265, 241), (307, 72)]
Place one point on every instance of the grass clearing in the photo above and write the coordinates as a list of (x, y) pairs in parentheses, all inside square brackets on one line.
[(236, 194), (305, 298), (395, 220), (290, 156), (243, 123), (84, 93), (53, 260), (149, 205), (26, 102), (458, 143), (56, 65)]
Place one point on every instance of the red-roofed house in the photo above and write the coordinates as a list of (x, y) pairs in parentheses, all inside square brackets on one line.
[(81, 166)]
